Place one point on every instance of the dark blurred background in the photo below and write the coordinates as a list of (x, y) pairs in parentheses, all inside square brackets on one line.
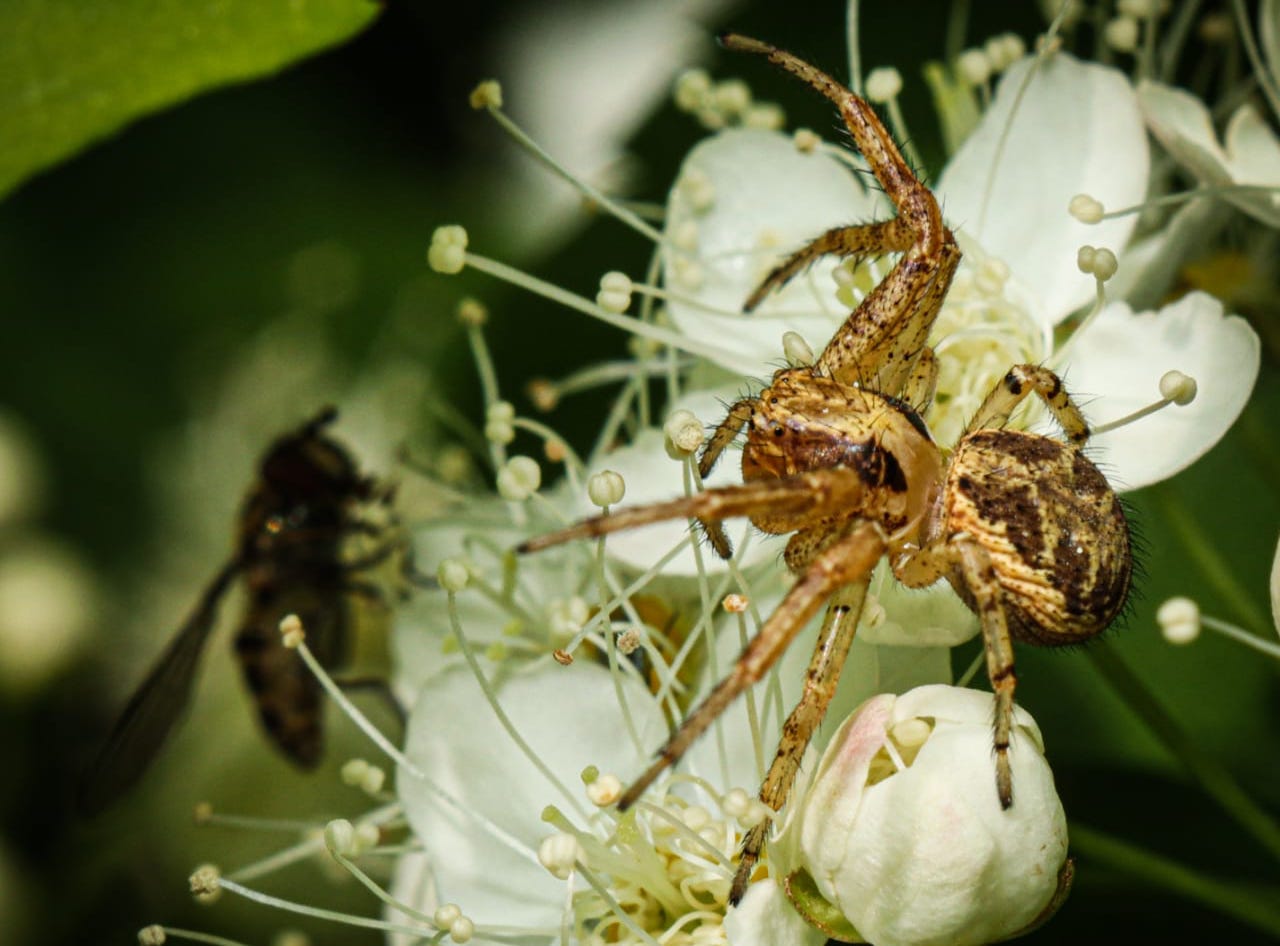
[(180, 293)]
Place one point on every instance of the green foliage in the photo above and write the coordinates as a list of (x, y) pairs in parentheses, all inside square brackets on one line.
[(74, 71)]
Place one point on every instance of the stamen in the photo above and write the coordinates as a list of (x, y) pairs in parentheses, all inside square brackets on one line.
[(883, 87), (491, 698), (291, 629), (806, 141), (1181, 197), (1180, 622), (302, 909), (554, 293), (156, 935), (204, 814), (622, 214), (1177, 388)]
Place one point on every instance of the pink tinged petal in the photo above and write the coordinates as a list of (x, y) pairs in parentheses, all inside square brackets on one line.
[(927, 854), (1115, 368), (571, 718), (766, 918), (1076, 130), (766, 199)]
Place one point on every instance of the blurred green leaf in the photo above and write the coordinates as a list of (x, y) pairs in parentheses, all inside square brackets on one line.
[(74, 71)]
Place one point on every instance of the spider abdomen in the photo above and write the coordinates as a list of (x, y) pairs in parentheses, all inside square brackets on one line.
[(1054, 530)]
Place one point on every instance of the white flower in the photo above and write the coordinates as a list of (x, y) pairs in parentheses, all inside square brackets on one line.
[(902, 831), (1249, 153)]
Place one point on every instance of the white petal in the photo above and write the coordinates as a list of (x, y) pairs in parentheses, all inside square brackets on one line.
[(768, 199), (1115, 368), (1076, 130), (766, 918), (1275, 589), (571, 719), (1181, 123), (1254, 152), (917, 617), (927, 854)]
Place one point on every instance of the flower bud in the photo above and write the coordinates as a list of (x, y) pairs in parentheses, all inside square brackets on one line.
[(902, 832)]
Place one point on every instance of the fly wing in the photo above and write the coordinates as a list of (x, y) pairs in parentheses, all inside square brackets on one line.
[(155, 706)]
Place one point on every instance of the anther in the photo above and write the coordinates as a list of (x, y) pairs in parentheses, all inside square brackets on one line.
[(615, 292), (462, 929), (605, 790), (445, 916), (1085, 208), (1121, 34), (735, 603), (543, 393), (152, 935), (974, 67), (291, 631), (453, 574), (767, 116), (519, 479), (629, 641), (684, 434), (732, 97), (692, 90), (202, 813), (472, 312), (340, 837), (806, 141), (448, 251), (487, 94), (883, 84), (1179, 620), (1178, 388), (796, 350), (206, 883), (559, 853)]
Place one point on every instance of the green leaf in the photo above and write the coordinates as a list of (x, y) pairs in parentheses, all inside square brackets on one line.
[(74, 71)]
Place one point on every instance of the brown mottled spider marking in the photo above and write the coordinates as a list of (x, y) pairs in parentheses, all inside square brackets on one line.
[(1024, 527)]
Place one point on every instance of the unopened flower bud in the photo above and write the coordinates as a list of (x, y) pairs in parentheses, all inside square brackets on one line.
[(902, 831), (1121, 34), (974, 67), (453, 574), (340, 837)]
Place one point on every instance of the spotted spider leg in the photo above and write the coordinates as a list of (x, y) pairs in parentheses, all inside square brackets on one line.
[(881, 339), (974, 561)]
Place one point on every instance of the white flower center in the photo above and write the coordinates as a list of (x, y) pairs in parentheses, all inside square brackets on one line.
[(666, 864), (983, 329)]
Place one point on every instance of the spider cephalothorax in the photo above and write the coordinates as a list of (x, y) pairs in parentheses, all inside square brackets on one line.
[(1023, 526)]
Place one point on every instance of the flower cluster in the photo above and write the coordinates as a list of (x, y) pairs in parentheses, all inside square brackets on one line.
[(537, 686)]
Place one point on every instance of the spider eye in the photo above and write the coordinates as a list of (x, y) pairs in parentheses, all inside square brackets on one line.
[(779, 431)]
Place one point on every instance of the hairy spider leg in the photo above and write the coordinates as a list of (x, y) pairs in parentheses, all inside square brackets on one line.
[(821, 679), (881, 339)]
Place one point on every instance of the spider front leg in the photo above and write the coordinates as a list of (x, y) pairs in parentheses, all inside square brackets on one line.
[(845, 561), (725, 433)]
